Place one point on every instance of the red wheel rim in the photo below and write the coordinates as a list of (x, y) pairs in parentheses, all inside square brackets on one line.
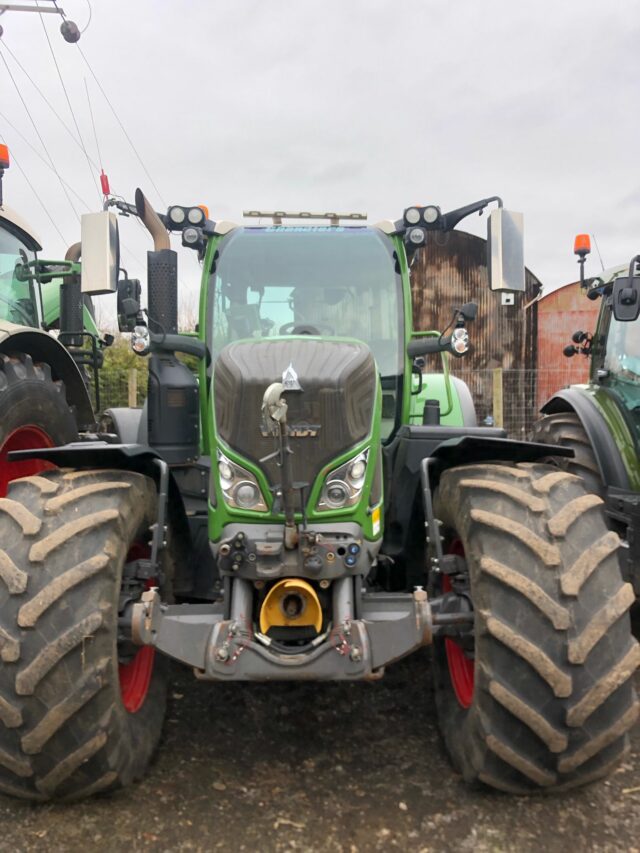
[(135, 676), (461, 667), (23, 438)]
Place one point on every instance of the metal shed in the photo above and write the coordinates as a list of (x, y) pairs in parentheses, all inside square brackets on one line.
[(451, 270), (560, 314)]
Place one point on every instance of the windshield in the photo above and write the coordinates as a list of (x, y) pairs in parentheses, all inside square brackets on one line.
[(622, 361), (17, 303), (324, 281)]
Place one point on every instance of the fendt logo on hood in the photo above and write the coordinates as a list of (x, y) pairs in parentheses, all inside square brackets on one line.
[(300, 430), (290, 379)]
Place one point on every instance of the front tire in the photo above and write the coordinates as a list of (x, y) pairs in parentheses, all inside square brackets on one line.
[(67, 731), (552, 697), (34, 413), (565, 430)]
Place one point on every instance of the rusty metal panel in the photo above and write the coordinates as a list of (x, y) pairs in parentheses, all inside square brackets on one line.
[(451, 270), (560, 314)]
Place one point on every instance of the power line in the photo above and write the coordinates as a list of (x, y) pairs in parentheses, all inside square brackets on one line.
[(71, 189), (598, 251), (34, 191), (66, 94), (44, 98), (95, 135), (122, 127), (46, 163), (35, 127)]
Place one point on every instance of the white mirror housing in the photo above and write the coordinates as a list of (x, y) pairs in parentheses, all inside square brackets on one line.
[(100, 252), (505, 250)]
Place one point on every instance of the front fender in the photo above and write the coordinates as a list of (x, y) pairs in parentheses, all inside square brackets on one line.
[(42, 347), (610, 463)]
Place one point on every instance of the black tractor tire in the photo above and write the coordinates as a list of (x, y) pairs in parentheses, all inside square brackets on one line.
[(65, 732), (553, 698), (33, 408), (566, 430)]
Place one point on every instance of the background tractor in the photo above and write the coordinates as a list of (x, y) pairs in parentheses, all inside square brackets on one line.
[(600, 421), (44, 399), (311, 505)]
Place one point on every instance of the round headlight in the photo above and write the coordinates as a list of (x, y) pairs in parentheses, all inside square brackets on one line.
[(336, 493), (246, 495), (225, 470), (460, 341), (416, 236), (176, 215), (430, 214), (190, 236), (140, 340), (412, 215), (195, 215), (357, 470)]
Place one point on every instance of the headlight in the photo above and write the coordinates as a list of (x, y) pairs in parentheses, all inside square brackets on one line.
[(176, 215), (140, 340), (196, 216), (417, 236), (412, 216), (344, 485), (430, 214), (240, 488), (336, 493)]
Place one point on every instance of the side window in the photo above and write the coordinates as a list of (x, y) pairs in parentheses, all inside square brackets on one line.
[(17, 300)]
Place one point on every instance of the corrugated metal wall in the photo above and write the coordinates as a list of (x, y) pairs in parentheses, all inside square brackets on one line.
[(451, 270), (560, 314)]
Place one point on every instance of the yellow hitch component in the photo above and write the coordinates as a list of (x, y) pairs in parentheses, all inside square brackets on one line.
[(291, 603)]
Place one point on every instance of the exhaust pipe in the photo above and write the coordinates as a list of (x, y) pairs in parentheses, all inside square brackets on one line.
[(152, 222), (71, 313)]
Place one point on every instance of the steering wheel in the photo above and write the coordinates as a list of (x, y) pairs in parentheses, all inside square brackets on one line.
[(306, 329)]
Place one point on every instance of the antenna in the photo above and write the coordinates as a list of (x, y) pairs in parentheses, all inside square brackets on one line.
[(598, 251)]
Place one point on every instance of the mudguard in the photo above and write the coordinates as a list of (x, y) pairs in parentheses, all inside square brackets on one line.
[(612, 469), (42, 347)]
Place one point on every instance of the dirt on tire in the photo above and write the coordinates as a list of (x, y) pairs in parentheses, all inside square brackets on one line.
[(553, 699), (64, 538)]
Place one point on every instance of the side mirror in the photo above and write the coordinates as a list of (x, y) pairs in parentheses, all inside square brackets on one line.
[(100, 252), (129, 292), (626, 299), (505, 250)]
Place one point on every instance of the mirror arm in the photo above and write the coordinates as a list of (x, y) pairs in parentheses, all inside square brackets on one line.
[(424, 346), (178, 343), (451, 219)]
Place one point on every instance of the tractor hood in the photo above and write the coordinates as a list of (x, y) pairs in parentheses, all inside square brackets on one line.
[(330, 390)]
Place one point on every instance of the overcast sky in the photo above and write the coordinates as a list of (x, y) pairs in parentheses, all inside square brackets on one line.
[(356, 105)]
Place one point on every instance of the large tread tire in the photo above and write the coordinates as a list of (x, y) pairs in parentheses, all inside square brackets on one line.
[(565, 429), (64, 731), (553, 698), (29, 397)]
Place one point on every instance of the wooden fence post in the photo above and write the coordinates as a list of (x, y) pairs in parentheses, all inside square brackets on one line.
[(133, 387), (498, 402)]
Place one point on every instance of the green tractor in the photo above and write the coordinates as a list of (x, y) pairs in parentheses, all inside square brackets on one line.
[(44, 397), (600, 421), (311, 505)]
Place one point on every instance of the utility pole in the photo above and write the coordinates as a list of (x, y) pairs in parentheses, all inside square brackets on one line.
[(69, 29)]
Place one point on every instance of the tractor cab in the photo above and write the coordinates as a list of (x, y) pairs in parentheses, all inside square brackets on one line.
[(320, 281), (20, 300)]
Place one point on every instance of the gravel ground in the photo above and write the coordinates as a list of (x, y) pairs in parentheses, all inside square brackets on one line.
[(324, 768)]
